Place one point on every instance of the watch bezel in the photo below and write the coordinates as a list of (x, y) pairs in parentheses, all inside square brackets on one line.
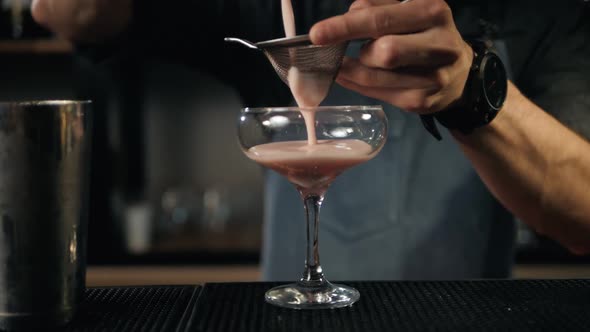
[(485, 92)]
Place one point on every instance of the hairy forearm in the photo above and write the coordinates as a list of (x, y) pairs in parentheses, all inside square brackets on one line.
[(537, 168)]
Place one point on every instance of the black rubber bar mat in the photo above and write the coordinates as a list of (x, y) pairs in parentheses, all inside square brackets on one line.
[(156, 308), (483, 305)]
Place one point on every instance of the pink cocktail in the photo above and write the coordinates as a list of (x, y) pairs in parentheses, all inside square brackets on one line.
[(276, 138)]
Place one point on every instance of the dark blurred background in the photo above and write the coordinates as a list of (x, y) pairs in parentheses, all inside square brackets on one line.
[(173, 198)]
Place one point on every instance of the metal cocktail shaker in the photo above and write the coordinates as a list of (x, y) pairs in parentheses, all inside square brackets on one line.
[(44, 166)]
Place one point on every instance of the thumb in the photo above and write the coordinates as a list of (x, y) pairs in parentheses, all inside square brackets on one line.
[(40, 11)]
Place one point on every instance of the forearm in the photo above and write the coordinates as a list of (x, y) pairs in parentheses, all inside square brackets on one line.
[(537, 168)]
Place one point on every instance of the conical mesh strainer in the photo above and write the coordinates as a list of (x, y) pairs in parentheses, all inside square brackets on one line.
[(318, 63)]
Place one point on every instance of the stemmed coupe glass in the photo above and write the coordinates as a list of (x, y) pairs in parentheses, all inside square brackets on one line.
[(276, 138)]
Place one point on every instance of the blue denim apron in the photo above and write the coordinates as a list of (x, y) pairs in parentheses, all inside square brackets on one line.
[(417, 210)]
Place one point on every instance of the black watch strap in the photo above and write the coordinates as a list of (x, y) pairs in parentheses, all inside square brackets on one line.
[(471, 111)]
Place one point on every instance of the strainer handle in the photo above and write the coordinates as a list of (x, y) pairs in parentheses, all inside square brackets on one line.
[(242, 41)]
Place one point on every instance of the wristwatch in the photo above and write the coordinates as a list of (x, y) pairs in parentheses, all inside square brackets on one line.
[(483, 96)]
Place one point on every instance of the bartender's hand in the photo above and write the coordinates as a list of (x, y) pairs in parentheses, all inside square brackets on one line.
[(83, 20), (416, 60)]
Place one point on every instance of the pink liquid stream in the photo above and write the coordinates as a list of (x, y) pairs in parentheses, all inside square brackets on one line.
[(311, 166), (308, 89)]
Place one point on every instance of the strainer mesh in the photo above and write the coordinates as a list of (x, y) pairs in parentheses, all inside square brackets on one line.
[(317, 59)]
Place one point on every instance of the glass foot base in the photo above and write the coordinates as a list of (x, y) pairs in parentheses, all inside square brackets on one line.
[(326, 296)]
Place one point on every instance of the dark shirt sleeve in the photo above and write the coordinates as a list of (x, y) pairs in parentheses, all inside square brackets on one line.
[(557, 75)]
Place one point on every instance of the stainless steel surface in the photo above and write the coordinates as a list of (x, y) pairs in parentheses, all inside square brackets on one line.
[(244, 42), (302, 40), (44, 163)]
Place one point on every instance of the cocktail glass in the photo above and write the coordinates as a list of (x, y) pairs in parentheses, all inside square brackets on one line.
[(276, 138)]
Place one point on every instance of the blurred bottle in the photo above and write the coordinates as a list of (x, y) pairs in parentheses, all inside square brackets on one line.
[(138, 227), (216, 209)]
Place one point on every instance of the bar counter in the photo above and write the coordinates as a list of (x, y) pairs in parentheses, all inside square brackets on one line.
[(481, 305)]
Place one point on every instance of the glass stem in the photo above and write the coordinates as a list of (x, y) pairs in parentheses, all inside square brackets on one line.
[(312, 275)]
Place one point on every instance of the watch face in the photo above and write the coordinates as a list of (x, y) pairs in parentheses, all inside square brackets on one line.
[(494, 81)]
